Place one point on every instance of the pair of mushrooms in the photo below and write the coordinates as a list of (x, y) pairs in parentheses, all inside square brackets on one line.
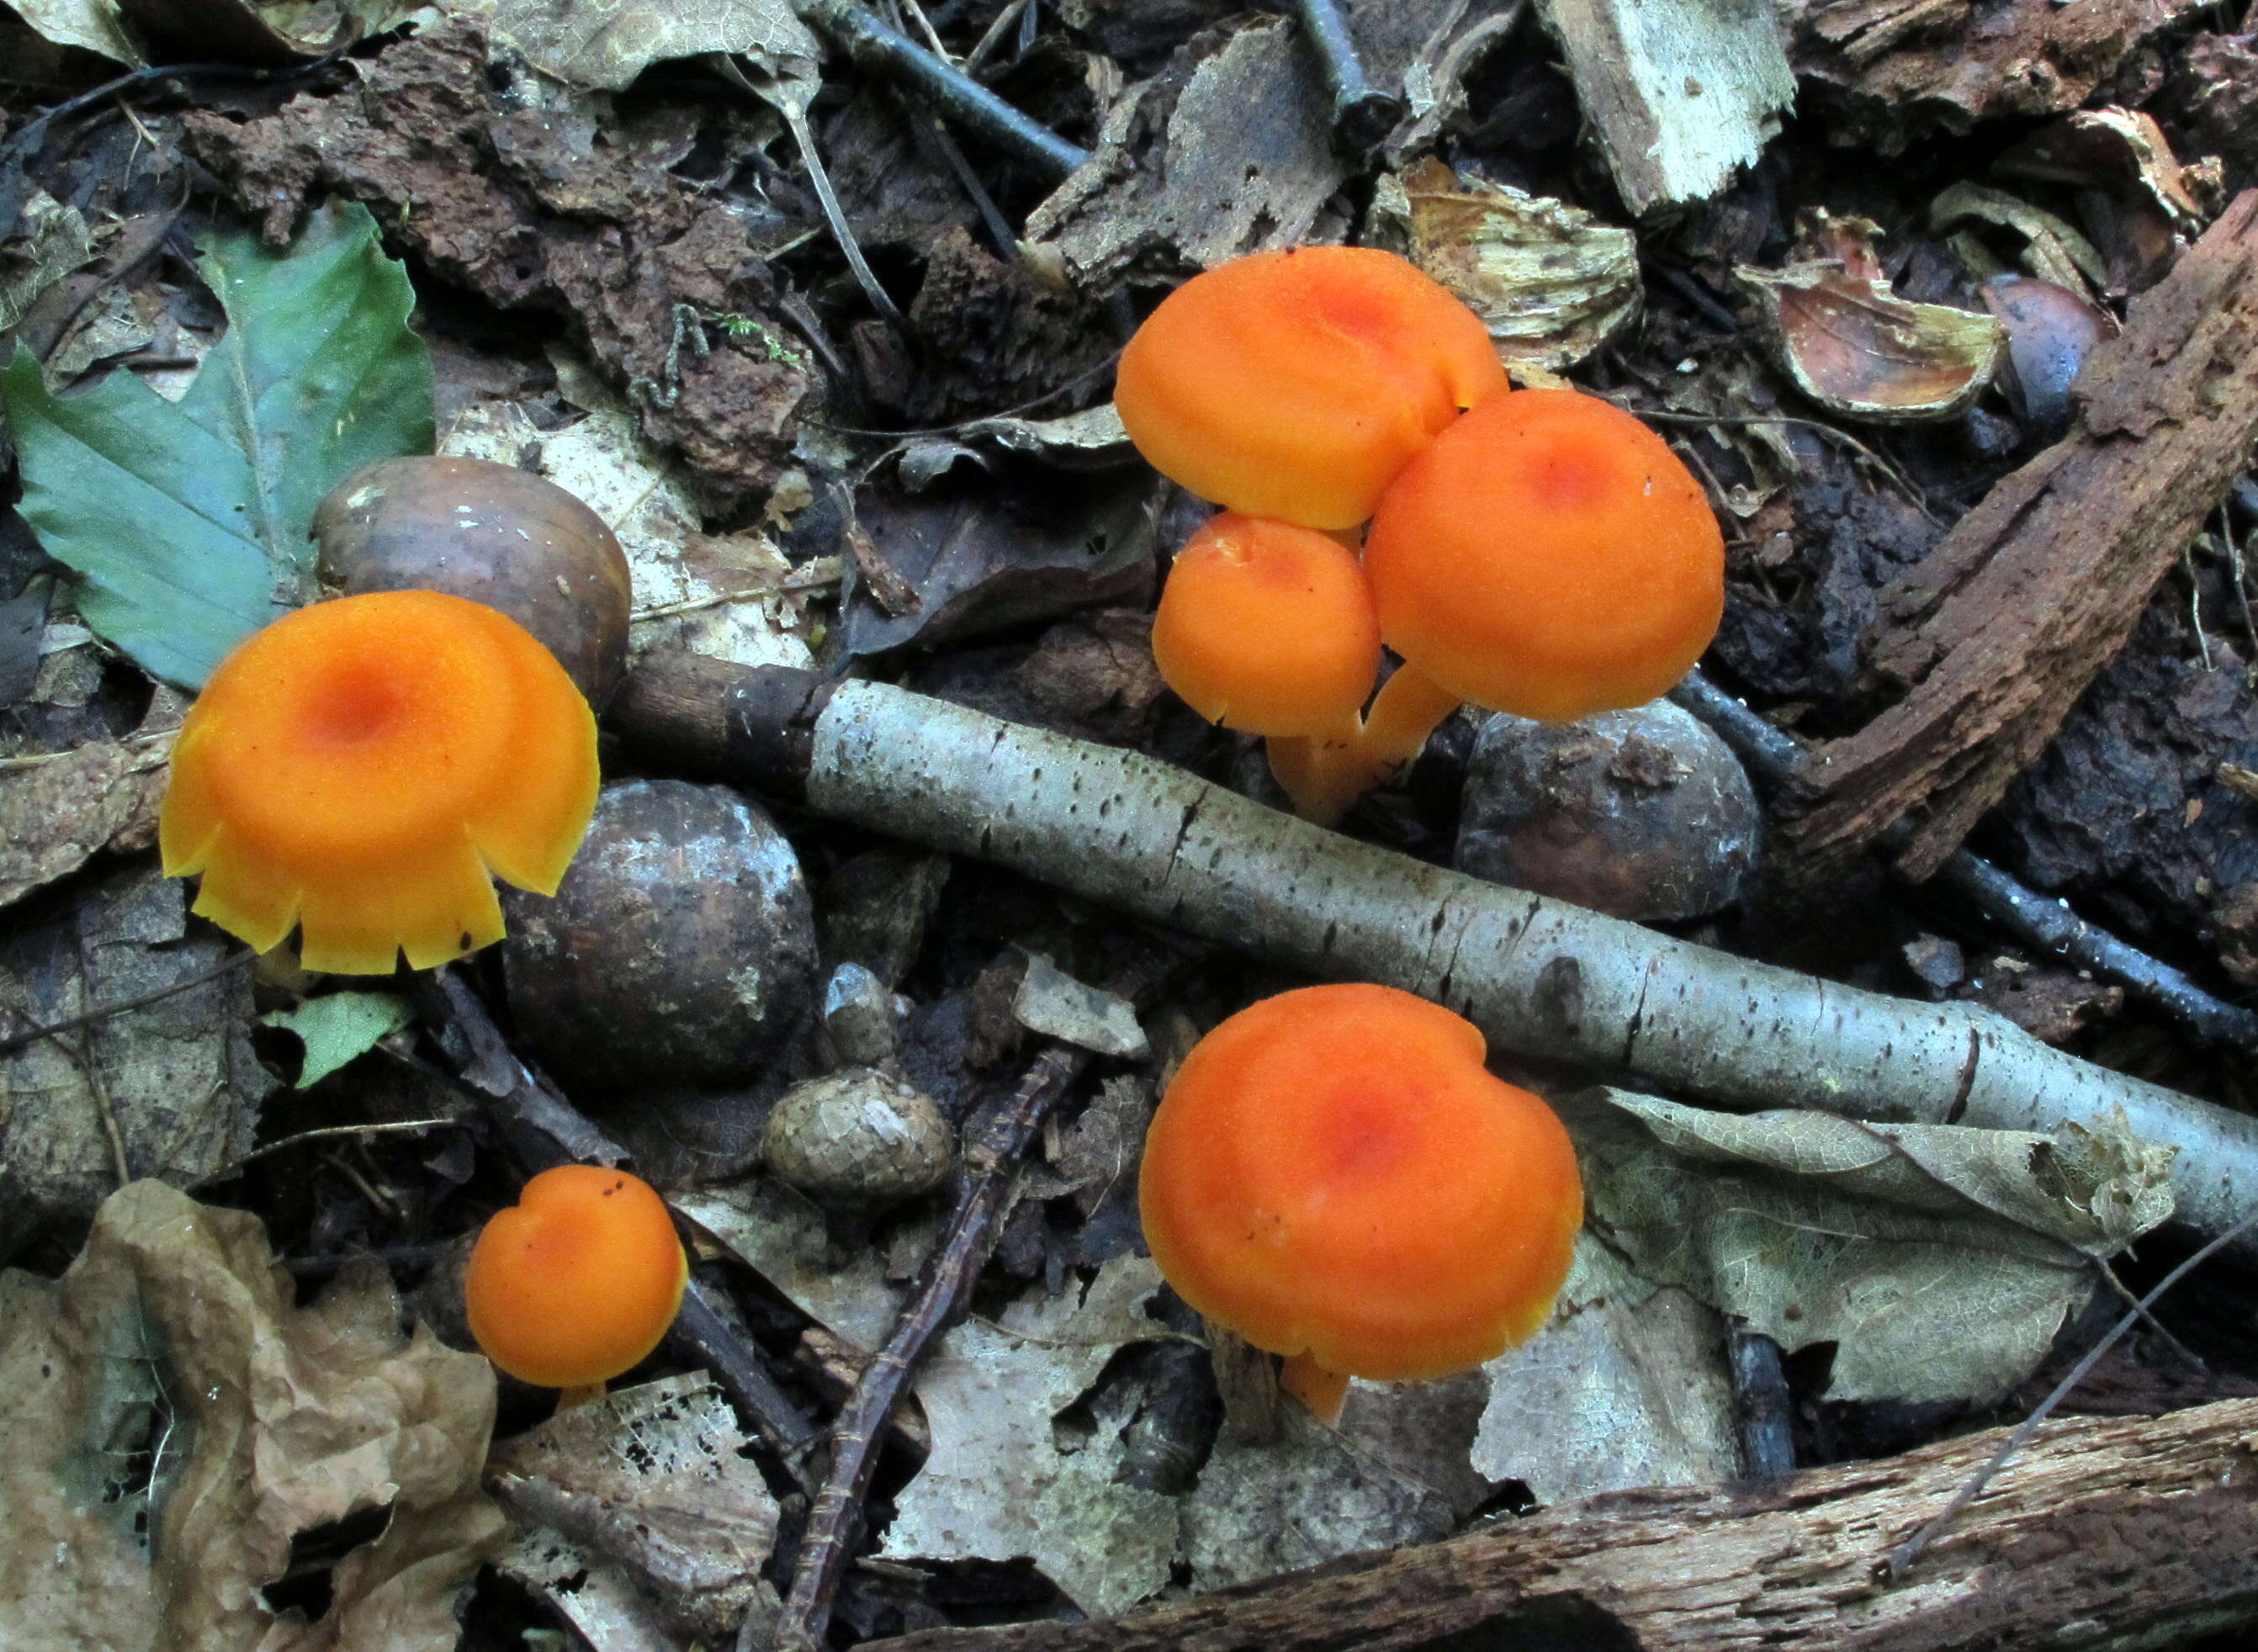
[(1534, 551), (361, 767)]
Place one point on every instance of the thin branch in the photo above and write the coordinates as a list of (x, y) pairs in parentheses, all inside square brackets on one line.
[(2043, 923), (16, 1041), (943, 1292)]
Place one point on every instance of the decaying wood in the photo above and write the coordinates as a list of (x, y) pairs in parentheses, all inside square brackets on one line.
[(2106, 1534), (1678, 92), (1889, 71), (1538, 976), (2001, 628)]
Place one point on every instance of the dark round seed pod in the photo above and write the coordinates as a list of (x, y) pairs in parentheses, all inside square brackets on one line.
[(1644, 813), (679, 950), (492, 534)]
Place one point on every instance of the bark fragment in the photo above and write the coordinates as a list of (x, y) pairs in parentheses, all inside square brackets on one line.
[(2001, 628)]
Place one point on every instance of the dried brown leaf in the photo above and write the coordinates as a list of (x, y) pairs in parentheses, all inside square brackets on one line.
[(1862, 353), (1549, 281), (173, 1423)]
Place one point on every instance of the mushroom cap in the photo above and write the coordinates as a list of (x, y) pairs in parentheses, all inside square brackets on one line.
[(579, 1280), (1334, 1173), (1267, 627), (1296, 384), (360, 766), (1549, 555)]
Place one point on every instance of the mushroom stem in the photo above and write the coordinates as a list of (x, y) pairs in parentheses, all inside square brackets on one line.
[(579, 1394), (1324, 777), (1410, 707), (1323, 1391), (1321, 774)]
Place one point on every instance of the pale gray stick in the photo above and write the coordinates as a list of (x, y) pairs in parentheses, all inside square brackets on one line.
[(1538, 976)]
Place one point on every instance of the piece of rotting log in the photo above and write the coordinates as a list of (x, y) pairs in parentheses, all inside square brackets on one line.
[(2127, 1533), (2001, 626), (1538, 977)]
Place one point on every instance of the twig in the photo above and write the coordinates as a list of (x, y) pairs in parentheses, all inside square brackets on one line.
[(41, 759), (2044, 924), (401, 1127), (985, 47), (808, 578), (939, 1298), (703, 1334), (962, 101), (1538, 976), (16, 1041), (1363, 114), (1902, 1558), (1760, 1404)]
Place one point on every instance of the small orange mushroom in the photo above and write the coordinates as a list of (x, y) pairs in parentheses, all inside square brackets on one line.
[(1269, 628), (359, 767), (578, 1281), (1335, 1176), (1296, 384), (1549, 555)]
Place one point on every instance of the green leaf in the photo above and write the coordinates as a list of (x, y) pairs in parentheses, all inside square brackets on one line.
[(186, 522), (337, 1028)]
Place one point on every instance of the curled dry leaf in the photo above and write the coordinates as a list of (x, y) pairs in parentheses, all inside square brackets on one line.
[(1859, 350), (2052, 250), (2140, 207), (171, 1423), (1939, 1258), (1549, 281)]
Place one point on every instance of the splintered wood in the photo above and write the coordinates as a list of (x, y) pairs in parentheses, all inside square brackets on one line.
[(2001, 628), (2109, 1533)]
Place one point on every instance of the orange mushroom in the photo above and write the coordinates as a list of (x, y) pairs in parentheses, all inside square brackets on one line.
[(1296, 384), (1269, 628), (1335, 1176), (1548, 554), (579, 1280), (360, 766)]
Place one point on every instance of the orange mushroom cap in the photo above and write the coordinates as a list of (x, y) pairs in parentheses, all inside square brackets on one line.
[(1267, 627), (357, 769), (1334, 1173), (579, 1280), (1296, 384), (1548, 554)]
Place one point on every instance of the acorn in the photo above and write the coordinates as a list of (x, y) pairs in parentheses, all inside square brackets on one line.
[(495, 534)]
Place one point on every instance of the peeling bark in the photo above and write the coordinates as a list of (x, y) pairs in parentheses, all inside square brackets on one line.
[(2004, 625), (2116, 1533)]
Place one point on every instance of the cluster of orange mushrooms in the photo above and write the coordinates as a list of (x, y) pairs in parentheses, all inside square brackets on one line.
[(1326, 1163), (1333, 1174), (1534, 551)]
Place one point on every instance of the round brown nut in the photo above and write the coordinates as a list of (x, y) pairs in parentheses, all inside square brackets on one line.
[(1644, 814), (858, 1137), (679, 949), (495, 534)]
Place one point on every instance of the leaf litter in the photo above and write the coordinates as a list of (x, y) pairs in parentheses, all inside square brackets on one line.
[(1927, 1262)]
